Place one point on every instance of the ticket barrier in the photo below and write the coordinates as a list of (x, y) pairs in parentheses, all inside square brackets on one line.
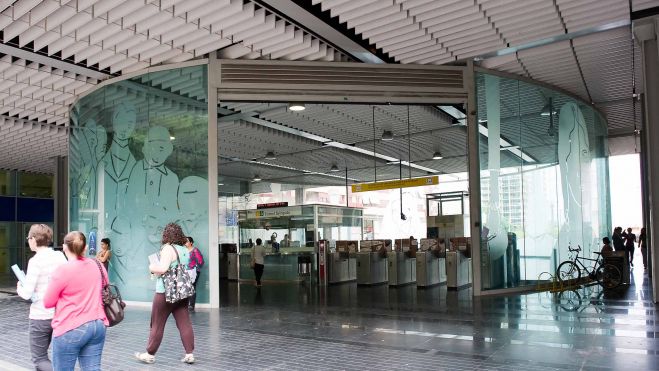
[(458, 270), (225, 249), (430, 263), (342, 263), (402, 269), (233, 269), (372, 262), (402, 262)]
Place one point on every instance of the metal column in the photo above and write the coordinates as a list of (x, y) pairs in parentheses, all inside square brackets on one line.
[(213, 74), (646, 32), (474, 178), (61, 193)]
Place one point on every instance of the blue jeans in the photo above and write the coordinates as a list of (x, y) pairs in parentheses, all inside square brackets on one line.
[(84, 343)]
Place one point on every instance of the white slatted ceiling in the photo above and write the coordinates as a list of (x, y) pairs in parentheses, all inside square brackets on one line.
[(30, 146), (125, 36), (440, 31), (129, 35), (643, 4)]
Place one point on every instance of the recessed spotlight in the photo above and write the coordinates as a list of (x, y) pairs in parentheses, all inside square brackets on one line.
[(172, 137), (387, 135), (296, 107), (334, 168), (437, 156), (256, 178), (270, 156), (220, 184)]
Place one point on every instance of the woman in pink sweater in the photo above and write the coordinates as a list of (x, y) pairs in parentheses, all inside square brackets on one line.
[(79, 322)]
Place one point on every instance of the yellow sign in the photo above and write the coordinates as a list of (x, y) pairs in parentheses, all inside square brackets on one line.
[(392, 184)]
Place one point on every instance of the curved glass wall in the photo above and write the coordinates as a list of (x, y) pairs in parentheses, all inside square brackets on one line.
[(138, 159), (544, 180)]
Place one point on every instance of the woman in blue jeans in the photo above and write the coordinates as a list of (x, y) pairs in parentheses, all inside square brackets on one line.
[(79, 322)]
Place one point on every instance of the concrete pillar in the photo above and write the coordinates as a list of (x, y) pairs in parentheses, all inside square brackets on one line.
[(474, 180), (299, 196), (645, 31)]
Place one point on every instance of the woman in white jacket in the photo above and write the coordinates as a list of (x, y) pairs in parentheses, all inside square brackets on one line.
[(33, 287)]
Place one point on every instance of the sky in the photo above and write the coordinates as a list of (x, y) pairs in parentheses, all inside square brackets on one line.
[(625, 182)]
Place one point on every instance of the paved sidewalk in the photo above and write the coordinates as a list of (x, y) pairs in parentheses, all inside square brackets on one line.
[(290, 328)]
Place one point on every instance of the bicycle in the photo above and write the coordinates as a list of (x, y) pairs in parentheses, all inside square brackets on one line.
[(607, 275)]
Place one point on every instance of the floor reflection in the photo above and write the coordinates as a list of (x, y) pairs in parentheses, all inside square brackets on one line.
[(583, 328)]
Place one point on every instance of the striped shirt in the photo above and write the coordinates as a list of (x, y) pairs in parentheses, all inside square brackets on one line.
[(39, 269)]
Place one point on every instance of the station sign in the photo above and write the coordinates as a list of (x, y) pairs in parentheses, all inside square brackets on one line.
[(274, 212), (271, 205), (393, 184)]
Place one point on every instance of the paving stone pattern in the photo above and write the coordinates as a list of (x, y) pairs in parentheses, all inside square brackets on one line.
[(290, 327)]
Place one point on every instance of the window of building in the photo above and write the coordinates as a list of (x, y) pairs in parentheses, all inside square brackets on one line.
[(7, 184), (35, 185)]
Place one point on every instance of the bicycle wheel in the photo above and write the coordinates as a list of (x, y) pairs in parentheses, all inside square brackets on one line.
[(568, 271), (608, 276), (569, 300)]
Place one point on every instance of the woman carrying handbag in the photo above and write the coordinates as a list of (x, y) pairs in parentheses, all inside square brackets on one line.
[(173, 259)]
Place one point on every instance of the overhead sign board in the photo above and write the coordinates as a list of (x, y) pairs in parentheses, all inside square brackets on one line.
[(393, 184), (274, 212)]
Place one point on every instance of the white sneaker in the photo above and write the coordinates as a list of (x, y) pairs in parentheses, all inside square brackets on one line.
[(145, 357), (189, 359)]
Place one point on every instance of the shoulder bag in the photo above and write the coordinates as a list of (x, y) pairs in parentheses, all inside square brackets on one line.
[(177, 281), (112, 302)]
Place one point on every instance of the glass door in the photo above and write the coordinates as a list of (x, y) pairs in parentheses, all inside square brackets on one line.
[(9, 255)]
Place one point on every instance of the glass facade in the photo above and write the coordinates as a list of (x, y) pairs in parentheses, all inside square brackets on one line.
[(7, 183), (544, 176), (138, 159), (35, 185), (33, 204)]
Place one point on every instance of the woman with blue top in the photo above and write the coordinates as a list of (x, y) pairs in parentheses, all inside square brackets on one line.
[(173, 240)]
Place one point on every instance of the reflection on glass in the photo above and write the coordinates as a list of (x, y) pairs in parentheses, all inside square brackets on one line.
[(543, 166)]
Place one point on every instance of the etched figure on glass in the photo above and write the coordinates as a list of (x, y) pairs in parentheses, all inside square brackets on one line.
[(119, 161), (574, 161), (90, 140), (193, 209), (151, 183)]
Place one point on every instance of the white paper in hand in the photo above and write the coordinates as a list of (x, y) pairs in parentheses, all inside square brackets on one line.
[(18, 272)]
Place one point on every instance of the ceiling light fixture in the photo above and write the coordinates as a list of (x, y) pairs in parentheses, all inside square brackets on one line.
[(172, 138), (334, 168), (270, 155), (437, 156), (256, 178), (296, 107), (387, 135)]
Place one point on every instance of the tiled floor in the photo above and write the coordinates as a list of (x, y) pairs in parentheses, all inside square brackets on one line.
[(293, 327)]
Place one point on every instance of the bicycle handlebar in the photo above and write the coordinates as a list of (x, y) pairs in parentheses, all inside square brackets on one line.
[(574, 250)]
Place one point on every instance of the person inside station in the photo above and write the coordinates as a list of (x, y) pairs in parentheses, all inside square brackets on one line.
[(286, 241), (606, 247)]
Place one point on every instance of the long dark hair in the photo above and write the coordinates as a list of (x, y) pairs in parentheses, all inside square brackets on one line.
[(173, 234)]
